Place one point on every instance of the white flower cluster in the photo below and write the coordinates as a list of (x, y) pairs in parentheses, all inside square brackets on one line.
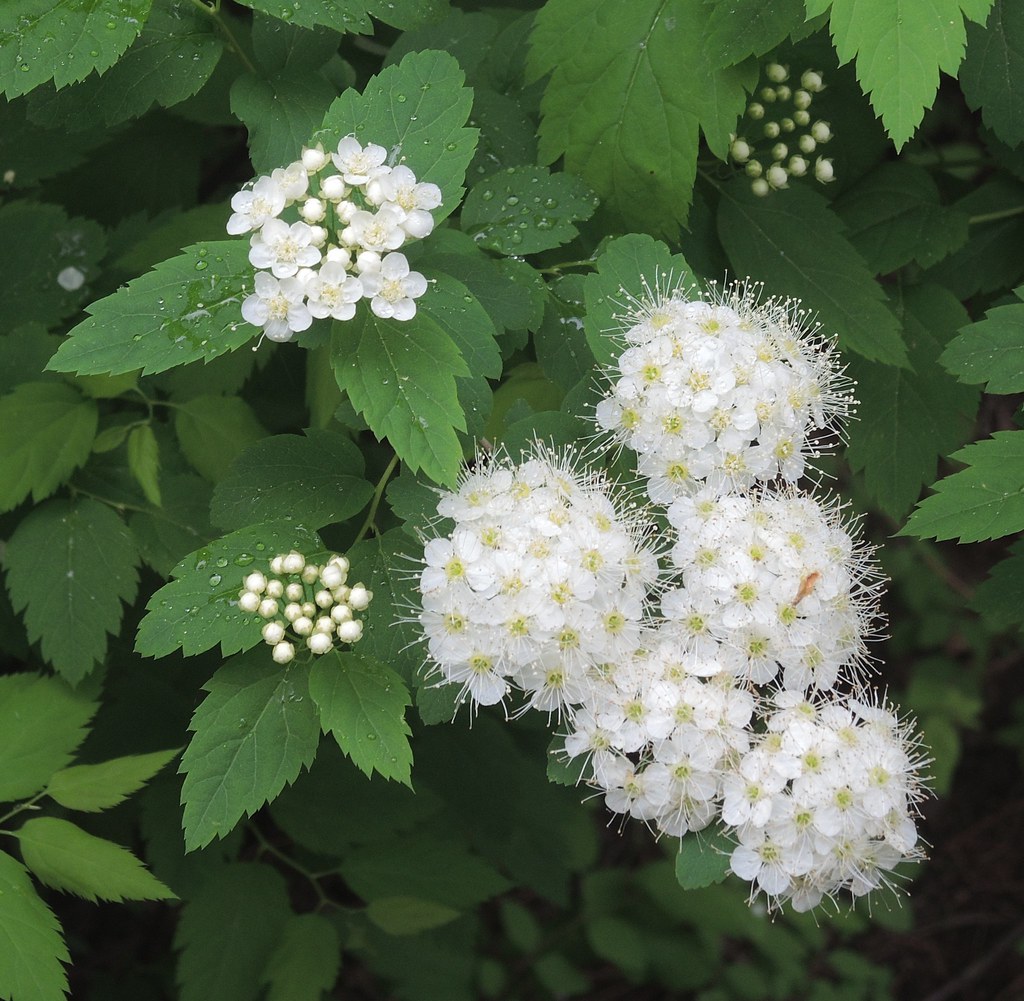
[(343, 246), (305, 604), (723, 392), (770, 168), (718, 679)]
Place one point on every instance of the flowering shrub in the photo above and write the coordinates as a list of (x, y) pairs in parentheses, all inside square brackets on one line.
[(470, 442)]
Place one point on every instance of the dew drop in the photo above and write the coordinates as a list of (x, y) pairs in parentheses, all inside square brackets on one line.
[(215, 579), (551, 203), (512, 200), (222, 562), (371, 736), (401, 98), (244, 559), (487, 195), (201, 265)]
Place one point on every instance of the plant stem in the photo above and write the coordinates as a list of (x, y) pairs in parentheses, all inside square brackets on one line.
[(213, 10), (556, 269), (378, 493), (974, 220), (29, 804)]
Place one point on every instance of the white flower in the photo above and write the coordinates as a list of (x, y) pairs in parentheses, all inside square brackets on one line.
[(283, 248), (399, 188), (277, 306), (358, 164), (293, 180), (393, 288), (333, 292), (252, 208), (378, 232)]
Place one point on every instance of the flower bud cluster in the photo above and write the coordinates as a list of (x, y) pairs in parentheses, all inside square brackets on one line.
[(724, 391), (305, 604), (774, 148), (354, 212)]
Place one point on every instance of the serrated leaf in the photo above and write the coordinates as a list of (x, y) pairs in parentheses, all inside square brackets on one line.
[(47, 260), (305, 962), (457, 312), (992, 68), (1000, 598), (736, 29), (796, 246), (401, 377), (64, 41), (278, 45), (63, 856), (362, 704), (254, 733), (46, 432), (42, 721), (228, 928), (144, 461), (561, 341), (991, 350), (186, 309), (983, 501), (281, 112), (199, 608), (352, 15), (164, 535), (419, 109), (32, 948), (908, 417), (702, 859), (214, 430), (316, 480), (893, 217), (69, 567), (524, 210), (631, 270), (408, 915), (630, 86), (98, 787)]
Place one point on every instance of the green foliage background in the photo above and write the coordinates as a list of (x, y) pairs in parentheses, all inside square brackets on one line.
[(327, 832)]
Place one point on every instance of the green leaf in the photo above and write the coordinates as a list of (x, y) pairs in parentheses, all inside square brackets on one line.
[(24, 353), (1000, 598), (362, 703), (908, 417), (401, 377), (630, 86), (254, 732), (524, 210), (703, 859), (199, 608), (419, 108), (900, 45), (47, 261), (46, 432), (34, 151), (281, 112), (98, 787), (187, 308), (64, 857), (352, 15), (144, 461), (64, 41), (305, 962), (561, 341), (164, 535), (69, 567), (281, 46), (408, 915), (31, 944), (991, 350), (228, 928), (893, 217), (631, 270), (42, 721), (316, 480), (736, 29), (983, 501), (796, 246), (993, 65), (213, 430)]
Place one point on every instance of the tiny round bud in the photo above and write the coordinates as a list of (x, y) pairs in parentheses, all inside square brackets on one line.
[(349, 632), (320, 643), (776, 176), (823, 171), (797, 166), (275, 589), (277, 564), (294, 592), (767, 94), (340, 255), (787, 124), (324, 599), (273, 633), (772, 130), (801, 118), (333, 576), (341, 613), (753, 168), (821, 132), (310, 573), (284, 653), (333, 188), (317, 238), (811, 81), (325, 624), (256, 582), (292, 611), (309, 608), (312, 210), (802, 100), (345, 210), (807, 144), (359, 597), (341, 593), (313, 158), (739, 149), (783, 93), (248, 601), (776, 72), (760, 187), (268, 608), (755, 111), (303, 625), (294, 562), (780, 151)]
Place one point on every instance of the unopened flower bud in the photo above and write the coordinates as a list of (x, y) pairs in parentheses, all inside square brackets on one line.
[(776, 72), (783, 93), (277, 564), (320, 643), (350, 632), (753, 168), (333, 188), (317, 238), (313, 158), (760, 187), (275, 589), (292, 611), (811, 81), (248, 601), (312, 210), (821, 132), (807, 144), (293, 562), (273, 633), (802, 100), (325, 624), (303, 625), (256, 583), (776, 176), (333, 575), (801, 118), (283, 653), (739, 149), (309, 608), (268, 608), (755, 111), (797, 166), (772, 130), (767, 94), (340, 614), (823, 171), (294, 592), (324, 599), (341, 593), (787, 124), (310, 573), (780, 151), (359, 597)]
